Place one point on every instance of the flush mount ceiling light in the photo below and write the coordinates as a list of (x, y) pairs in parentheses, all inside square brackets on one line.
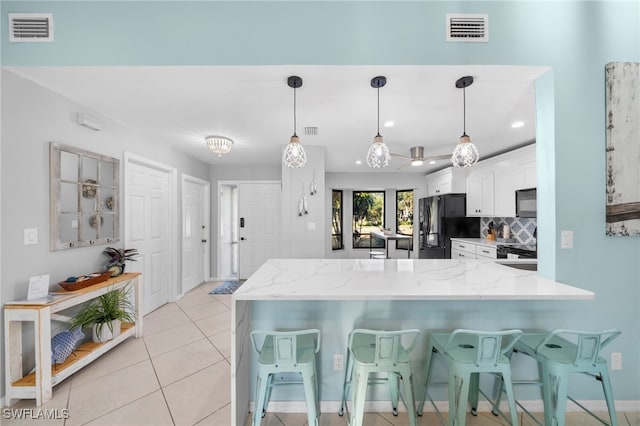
[(219, 144), (378, 154), (294, 155), (465, 153)]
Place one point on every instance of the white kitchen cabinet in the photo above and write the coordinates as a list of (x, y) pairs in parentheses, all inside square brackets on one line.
[(446, 181), (483, 251), (468, 250), (492, 183), (462, 250), (515, 170), (506, 182), (530, 174), (459, 254), (480, 193)]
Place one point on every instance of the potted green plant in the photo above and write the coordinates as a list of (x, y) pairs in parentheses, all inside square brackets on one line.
[(117, 257), (104, 314)]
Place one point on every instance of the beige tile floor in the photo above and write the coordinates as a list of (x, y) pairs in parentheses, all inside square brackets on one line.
[(179, 373)]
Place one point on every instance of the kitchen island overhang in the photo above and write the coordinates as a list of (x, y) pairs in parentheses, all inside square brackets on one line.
[(400, 279), (363, 280)]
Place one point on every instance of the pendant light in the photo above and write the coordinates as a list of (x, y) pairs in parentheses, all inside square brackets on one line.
[(378, 154), (294, 155), (465, 153)]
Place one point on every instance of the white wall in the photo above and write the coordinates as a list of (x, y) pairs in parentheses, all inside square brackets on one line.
[(32, 116), (304, 237)]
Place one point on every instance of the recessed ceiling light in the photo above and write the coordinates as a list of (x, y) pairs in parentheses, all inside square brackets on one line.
[(432, 162), (358, 162), (517, 124), (388, 124)]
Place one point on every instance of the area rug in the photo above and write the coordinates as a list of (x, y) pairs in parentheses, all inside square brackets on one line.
[(227, 287)]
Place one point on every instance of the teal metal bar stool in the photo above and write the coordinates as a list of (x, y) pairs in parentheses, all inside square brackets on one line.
[(373, 352), (286, 352), (560, 353), (467, 354)]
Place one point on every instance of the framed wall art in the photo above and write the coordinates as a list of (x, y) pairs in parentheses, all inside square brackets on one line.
[(622, 93)]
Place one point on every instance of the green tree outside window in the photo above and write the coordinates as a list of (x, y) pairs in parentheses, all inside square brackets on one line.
[(336, 220), (368, 215), (404, 216)]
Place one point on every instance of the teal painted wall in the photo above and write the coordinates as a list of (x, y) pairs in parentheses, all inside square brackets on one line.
[(575, 39)]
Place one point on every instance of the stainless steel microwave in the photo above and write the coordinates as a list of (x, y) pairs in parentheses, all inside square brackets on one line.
[(526, 202)]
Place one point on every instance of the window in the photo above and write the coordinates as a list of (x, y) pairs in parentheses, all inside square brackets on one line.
[(368, 215), (336, 220), (404, 217)]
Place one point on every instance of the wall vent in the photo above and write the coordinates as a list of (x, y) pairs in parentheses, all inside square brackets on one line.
[(468, 27), (31, 27), (312, 131)]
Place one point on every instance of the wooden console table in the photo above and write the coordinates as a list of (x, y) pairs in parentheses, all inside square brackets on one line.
[(40, 382)]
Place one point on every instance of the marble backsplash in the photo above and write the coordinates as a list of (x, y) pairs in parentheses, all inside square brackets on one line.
[(522, 229)]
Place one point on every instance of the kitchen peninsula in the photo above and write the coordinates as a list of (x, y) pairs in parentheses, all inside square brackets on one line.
[(336, 296)]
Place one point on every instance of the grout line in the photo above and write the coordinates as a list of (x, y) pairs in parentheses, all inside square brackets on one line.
[(155, 372), (214, 345), (124, 405), (207, 366), (217, 411)]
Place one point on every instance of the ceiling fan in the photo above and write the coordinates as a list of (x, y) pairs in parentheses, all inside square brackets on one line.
[(417, 158)]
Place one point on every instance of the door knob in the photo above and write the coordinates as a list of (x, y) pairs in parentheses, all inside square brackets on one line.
[(204, 241), (242, 238)]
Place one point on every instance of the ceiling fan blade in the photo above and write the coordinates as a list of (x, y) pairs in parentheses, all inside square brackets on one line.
[(437, 157), (404, 166), (393, 154)]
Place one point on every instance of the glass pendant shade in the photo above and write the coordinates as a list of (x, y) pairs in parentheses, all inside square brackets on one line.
[(294, 155), (219, 144), (465, 154), (378, 155)]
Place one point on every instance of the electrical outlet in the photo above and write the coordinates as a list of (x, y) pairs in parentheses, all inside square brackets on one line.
[(616, 361), (338, 362)]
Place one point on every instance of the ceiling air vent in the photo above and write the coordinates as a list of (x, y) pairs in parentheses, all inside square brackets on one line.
[(30, 27), (468, 27), (311, 131)]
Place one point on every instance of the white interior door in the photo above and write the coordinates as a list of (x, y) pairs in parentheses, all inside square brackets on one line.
[(148, 218), (195, 231), (259, 228)]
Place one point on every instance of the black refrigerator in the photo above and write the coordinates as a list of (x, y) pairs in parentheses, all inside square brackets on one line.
[(441, 218)]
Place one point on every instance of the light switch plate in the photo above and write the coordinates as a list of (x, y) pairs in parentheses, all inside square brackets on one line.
[(311, 226), (566, 239), (30, 236)]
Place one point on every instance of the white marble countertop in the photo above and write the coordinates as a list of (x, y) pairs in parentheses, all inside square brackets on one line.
[(400, 279), (484, 242)]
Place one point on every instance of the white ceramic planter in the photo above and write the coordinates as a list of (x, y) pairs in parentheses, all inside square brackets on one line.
[(105, 333)]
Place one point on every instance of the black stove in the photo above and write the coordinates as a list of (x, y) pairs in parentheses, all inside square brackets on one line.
[(523, 251)]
